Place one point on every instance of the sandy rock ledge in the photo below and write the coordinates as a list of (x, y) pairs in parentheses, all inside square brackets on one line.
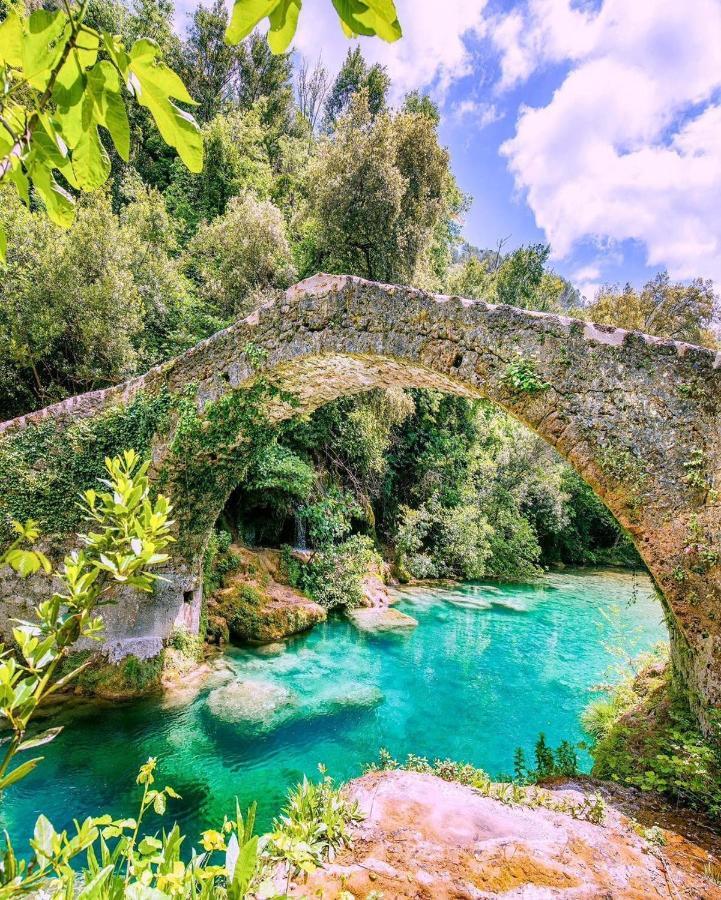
[(426, 838)]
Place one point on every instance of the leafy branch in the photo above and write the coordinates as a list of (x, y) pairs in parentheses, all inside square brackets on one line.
[(60, 81)]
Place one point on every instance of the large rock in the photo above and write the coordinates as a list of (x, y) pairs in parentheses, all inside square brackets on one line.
[(258, 609), (426, 838), (380, 618)]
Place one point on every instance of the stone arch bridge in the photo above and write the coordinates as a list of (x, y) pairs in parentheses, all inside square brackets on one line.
[(639, 418)]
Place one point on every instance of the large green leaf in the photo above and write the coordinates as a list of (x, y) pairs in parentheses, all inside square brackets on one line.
[(19, 772), (46, 33), (91, 163), (369, 18), (154, 84), (59, 204), (283, 23), (104, 105), (11, 40), (3, 244), (44, 738), (381, 18), (245, 16), (44, 836)]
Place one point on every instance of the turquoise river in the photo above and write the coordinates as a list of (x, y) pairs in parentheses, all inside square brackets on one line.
[(488, 667)]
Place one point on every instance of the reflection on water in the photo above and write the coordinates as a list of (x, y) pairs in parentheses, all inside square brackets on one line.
[(487, 668)]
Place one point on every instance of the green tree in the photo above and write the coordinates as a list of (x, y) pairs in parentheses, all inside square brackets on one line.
[(679, 311), (91, 306), (236, 161), (70, 310), (421, 104), (378, 190), (210, 65), (244, 250), (354, 76), (222, 77)]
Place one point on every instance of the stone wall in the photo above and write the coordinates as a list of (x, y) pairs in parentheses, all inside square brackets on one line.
[(639, 418)]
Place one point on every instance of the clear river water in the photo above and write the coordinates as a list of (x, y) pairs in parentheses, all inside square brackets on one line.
[(489, 666)]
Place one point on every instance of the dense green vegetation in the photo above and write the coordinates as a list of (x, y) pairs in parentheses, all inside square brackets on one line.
[(645, 735)]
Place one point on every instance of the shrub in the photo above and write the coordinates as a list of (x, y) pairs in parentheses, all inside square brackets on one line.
[(239, 252), (313, 824), (647, 736), (333, 577)]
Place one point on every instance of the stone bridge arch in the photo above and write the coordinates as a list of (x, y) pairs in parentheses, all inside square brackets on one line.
[(639, 418)]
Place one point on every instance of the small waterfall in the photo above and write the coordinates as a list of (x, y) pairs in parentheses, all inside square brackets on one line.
[(300, 533)]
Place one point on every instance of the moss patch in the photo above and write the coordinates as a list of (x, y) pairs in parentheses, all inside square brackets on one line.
[(131, 677)]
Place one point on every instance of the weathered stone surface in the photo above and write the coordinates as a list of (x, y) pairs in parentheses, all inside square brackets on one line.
[(639, 418), (426, 838), (380, 618)]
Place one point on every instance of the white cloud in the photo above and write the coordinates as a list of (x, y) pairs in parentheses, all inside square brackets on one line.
[(478, 112), (587, 273), (628, 147), (433, 52)]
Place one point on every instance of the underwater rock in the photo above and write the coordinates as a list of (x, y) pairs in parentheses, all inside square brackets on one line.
[(380, 619), (262, 705), (272, 649), (359, 696)]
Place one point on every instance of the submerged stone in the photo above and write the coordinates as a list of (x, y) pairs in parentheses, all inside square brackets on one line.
[(381, 619), (358, 696), (261, 705)]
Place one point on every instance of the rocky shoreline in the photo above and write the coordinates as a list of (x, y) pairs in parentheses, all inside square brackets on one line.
[(424, 837)]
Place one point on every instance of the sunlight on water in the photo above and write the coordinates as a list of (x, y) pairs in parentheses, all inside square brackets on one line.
[(487, 668)]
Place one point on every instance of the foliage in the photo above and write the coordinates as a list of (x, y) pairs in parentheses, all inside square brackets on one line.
[(550, 763), (521, 376), (354, 76), (519, 278), (107, 858), (378, 190), (245, 249), (43, 467), (62, 80), (683, 312), (236, 161), (333, 576), (582, 532), (313, 825), (435, 541), (218, 561), (221, 76), (63, 328), (131, 533), (646, 735)]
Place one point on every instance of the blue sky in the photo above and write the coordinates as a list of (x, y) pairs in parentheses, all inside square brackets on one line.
[(594, 125)]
